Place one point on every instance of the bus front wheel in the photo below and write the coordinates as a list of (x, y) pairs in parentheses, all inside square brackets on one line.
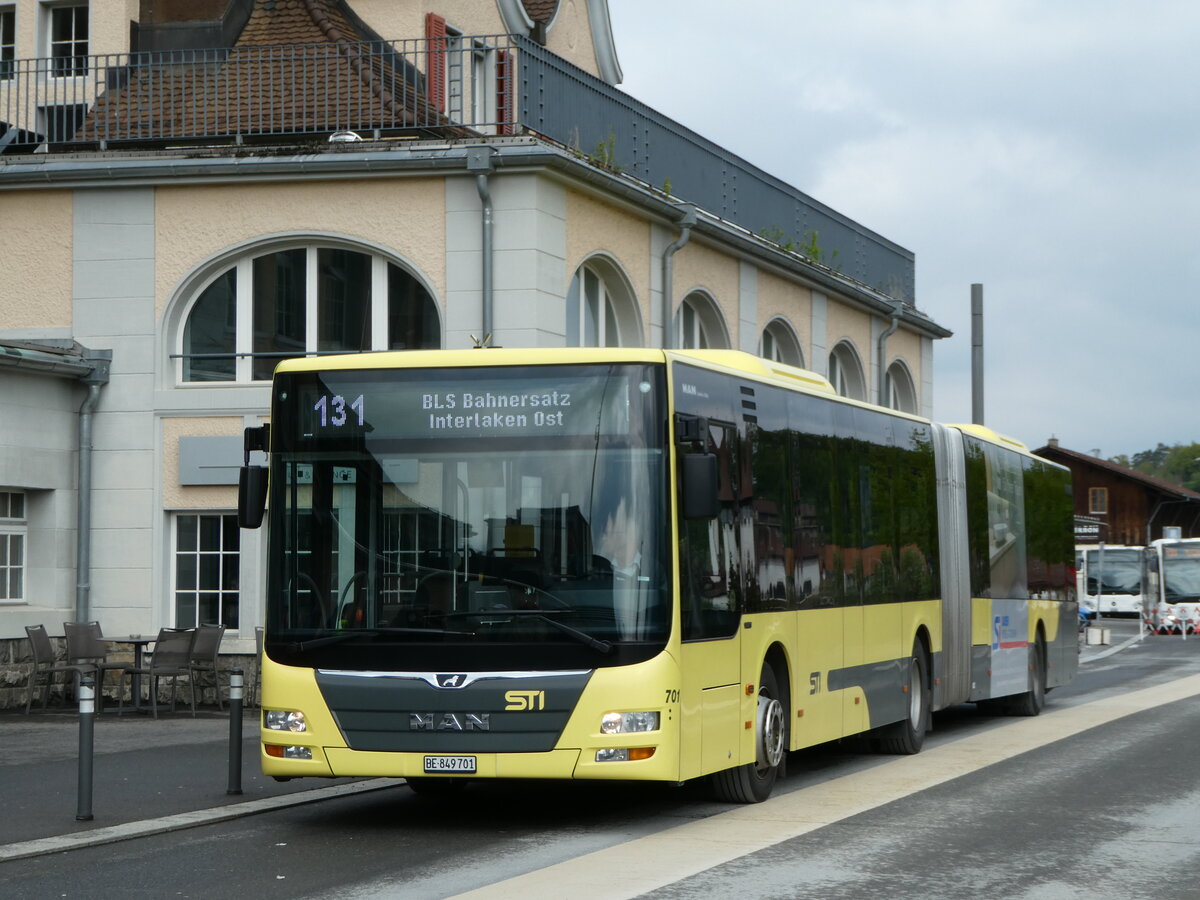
[(753, 782)]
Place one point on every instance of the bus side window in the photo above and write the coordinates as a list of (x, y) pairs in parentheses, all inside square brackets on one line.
[(709, 589)]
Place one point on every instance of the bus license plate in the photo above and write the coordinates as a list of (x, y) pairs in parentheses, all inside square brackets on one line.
[(449, 764)]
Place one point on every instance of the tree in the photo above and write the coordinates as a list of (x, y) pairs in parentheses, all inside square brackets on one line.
[(1179, 464)]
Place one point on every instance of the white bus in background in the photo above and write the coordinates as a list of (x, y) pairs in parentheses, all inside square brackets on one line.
[(1110, 578), (1173, 585)]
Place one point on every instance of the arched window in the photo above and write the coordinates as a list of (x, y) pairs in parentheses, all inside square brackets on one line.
[(300, 300), (899, 392), (846, 372), (699, 324), (779, 344), (601, 311)]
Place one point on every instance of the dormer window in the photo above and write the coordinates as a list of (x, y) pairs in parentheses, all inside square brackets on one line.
[(67, 39), (8, 41)]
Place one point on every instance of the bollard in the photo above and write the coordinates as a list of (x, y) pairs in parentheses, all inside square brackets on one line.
[(235, 732), (87, 725)]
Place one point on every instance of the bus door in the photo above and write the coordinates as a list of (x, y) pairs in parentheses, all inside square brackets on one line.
[(710, 596)]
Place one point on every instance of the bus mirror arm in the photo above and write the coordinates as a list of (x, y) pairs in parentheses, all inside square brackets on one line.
[(699, 495), (252, 480)]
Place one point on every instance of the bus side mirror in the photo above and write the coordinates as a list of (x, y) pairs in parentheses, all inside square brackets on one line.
[(700, 486), (252, 480), (252, 496)]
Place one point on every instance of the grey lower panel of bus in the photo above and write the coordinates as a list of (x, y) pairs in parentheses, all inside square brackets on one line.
[(881, 682), (468, 713)]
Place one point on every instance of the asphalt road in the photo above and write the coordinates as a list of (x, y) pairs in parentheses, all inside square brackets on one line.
[(1097, 798)]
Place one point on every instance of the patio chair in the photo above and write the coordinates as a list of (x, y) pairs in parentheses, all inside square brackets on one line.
[(45, 665), (171, 658), (86, 647), (204, 658)]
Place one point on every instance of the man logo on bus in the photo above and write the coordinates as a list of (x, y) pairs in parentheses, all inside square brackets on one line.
[(451, 681)]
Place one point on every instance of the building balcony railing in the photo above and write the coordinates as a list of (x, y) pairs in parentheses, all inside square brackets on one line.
[(446, 87), (455, 87)]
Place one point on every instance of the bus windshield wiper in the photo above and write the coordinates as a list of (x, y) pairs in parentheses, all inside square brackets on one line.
[(341, 636), (544, 615)]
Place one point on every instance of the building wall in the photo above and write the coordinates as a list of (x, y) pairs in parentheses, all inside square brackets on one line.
[(570, 35), (200, 224), (35, 290)]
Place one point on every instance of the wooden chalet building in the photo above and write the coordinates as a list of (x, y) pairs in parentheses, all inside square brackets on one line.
[(1129, 507)]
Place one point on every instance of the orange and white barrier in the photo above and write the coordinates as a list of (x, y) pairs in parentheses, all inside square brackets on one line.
[(1181, 620)]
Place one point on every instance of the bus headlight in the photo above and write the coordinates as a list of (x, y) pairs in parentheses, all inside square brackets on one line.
[(624, 754), (626, 723), (284, 720)]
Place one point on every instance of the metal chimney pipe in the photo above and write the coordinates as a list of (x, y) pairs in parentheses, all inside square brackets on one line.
[(977, 354)]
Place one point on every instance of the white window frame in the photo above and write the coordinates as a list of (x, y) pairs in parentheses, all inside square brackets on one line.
[(901, 393), (699, 324), (14, 533), (8, 49), (173, 614), (778, 341), (598, 321), (48, 13), (848, 381), (244, 306)]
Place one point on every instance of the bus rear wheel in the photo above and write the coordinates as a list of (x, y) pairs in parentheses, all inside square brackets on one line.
[(753, 782), (1033, 701), (907, 736)]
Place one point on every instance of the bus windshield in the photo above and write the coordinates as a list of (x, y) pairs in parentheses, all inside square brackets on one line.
[(468, 519), (1122, 572), (1181, 573)]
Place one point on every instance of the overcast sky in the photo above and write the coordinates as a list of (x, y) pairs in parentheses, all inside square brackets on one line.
[(1048, 150)]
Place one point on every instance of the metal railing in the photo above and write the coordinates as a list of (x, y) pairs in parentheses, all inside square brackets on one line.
[(447, 87)]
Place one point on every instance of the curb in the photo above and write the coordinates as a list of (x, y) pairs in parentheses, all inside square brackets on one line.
[(145, 827)]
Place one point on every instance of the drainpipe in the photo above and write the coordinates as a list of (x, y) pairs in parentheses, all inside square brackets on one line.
[(479, 161), (96, 378), (881, 351), (686, 223)]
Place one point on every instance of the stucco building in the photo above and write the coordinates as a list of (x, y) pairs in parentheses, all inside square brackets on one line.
[(193, 190)]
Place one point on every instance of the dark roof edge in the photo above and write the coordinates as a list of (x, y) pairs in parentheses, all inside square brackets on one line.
[(1049, 452)]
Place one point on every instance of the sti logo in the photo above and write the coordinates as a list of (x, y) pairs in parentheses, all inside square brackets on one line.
[(452, 681), (522, 701)]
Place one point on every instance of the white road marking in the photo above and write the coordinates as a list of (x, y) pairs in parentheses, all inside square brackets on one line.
[(661, 859)]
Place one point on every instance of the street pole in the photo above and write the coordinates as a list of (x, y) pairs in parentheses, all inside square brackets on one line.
[(977, 354), (235, 732), (87, 724)]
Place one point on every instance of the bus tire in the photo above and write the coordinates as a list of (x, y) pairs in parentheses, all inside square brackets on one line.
[(753, 782), (1033, 701), (907, 736)]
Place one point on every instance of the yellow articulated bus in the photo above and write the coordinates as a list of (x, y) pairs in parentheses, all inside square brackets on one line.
[(635, 564)]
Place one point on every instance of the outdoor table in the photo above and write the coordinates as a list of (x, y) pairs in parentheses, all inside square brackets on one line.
[(139, 642)]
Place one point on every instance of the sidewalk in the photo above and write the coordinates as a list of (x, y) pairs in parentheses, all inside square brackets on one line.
[(159, 774)]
